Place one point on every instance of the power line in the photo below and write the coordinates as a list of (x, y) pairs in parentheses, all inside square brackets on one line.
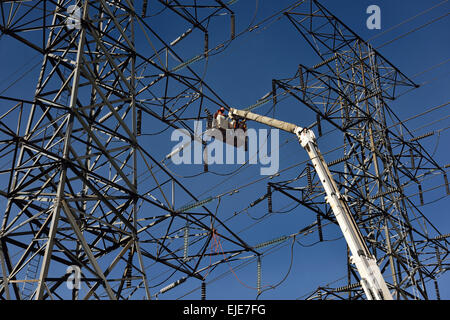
[(408, 20), (412, 31)]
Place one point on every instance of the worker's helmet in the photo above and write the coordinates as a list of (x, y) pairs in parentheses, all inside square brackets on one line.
[(222, 109)]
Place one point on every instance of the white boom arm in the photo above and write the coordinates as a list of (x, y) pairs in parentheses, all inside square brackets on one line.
[(372, 280)]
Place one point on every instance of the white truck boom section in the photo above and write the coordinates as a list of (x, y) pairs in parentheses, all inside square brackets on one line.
[(372, 280)]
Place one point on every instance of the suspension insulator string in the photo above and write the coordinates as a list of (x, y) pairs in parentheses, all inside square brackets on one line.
[(129, 268), (300, 75), (436, 287), (319, 127), (413, 164), (206, 44), (420, 194), (258, 279), (139, 122), (186, 241), (446, 184), (233, 26), (319, 226), (203, 294), (274, 92), (309, 178), (438, 258)]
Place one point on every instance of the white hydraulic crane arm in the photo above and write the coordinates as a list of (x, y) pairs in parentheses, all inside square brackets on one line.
[(372, 280)]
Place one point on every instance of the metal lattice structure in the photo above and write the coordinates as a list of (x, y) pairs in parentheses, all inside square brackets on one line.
[(381, 163), (83, 187), (76, 165)]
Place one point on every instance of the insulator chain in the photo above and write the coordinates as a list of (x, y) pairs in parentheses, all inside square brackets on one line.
[(413, 164), (172, 285), (442, 237), (438, 258), (347, 288), (184, 35), (268, 243), (185, 64), (258, 275), (446, 184), (359, 207), (319, 226), (302, 81), (269, 198), (233, 26), (309, 178), (420, 194), (258, 104), (274, 92), (326, 61), (254, 203), (436, 287), (205, 158), (206, 44), (319, 126), (369, 96), (203, 294), (319, 294), (195, 205), (186, 241), (129, 268), (209, 118), (422, 136), (139, 122), (144, 8), (382, 194), (334, 162)]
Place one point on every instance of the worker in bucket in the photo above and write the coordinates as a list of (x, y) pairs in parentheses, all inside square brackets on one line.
[(221, 112), (219, 120), (242, 125)]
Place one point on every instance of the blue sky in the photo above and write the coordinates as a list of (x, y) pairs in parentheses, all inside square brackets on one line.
[(241, 75)]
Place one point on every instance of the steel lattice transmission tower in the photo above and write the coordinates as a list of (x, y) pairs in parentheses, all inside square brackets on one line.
[(81, 189), (381, 163), (82, 185)]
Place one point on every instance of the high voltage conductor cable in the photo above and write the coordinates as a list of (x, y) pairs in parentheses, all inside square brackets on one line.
[(288, 205), (430, 68), (305, 231), (431, 123), (282, 238), (279, 172), (407, 20), (412, 31), (420, 114), (279, 244), (21, 77), (344, 277), (160, 169), (421, 85), (420, 73), (265, 243), (227, 42), (391, 125), (424, 113), (163, 194)]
